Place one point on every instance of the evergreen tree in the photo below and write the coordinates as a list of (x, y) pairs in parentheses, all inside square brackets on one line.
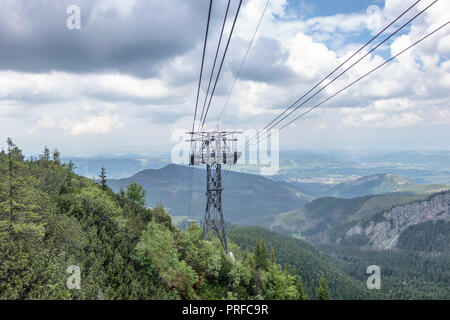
[(301, 291), (15, 180), (261, 255), (122, 196), (102, 177), (322, 291), (56, 156), (136, 193), (46, 154), (272, 256), (69, 169)]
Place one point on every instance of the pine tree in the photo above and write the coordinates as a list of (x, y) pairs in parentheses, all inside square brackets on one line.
[(20, 200), (261, 255), (122, 197), (301, 291), (136, 193), (322, 291), (263, 251), (46, 154), (15, 181), (272, 255), (69, 169), (56, 156), (102, 177)]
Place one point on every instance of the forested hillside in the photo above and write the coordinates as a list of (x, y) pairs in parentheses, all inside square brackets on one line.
[(383, 229), (377, 221), (430, 236), (52, 219), (317, 217), (305, 259), (404, 274)]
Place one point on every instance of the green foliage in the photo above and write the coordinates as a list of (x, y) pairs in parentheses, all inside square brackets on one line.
[(322, 291), (46, 154), (56, 156), (308, 262), (404, 274), (158, 253), (102, 177), (261, 255), (240, 275), (301, 291), (136, 193), (430, 236), (333, 216), (52, 218)]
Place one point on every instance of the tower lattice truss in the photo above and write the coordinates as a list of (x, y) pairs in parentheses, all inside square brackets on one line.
[(214, 213), (214, 148)]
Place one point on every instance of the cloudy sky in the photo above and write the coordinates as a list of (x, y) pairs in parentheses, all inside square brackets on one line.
[(128, 78)]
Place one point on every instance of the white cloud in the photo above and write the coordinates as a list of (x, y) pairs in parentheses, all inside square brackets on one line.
[(102, 124), (47, 122), (396, 113), (307, 57), (369, 117), (403, 119), (322, 126), (410, 91)]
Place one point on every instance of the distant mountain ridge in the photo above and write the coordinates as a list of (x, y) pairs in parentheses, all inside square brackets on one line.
[(255, 200), (374, 184), (313, 166), (247, 198), (370, 185), (116, 167)]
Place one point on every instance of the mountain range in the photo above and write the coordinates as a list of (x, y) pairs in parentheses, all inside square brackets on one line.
[(247, 198), (117, 166), (369, 185), (281, 206), (315, 168)]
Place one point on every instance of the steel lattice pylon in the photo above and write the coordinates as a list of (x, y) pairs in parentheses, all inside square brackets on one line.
[(214, 214), (214, 148)]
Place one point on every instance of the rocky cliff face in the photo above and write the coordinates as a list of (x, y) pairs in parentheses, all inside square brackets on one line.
[(383, 230)]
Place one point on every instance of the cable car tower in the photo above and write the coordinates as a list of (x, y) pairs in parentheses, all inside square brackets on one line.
[(214, 148)]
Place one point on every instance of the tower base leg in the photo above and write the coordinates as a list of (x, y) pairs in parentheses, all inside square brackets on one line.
[(214, 213)]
